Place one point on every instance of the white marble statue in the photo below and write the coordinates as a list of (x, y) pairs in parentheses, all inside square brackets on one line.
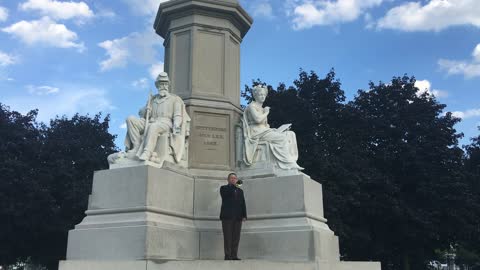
[(160, 133), (281, 142)]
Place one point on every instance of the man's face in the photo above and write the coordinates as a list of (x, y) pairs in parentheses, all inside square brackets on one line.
[(232, 179), (162, 88)]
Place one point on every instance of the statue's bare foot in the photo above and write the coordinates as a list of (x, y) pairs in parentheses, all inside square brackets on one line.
[(144, 156)]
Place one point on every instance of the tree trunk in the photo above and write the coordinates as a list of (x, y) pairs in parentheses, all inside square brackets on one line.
[(406, 262)]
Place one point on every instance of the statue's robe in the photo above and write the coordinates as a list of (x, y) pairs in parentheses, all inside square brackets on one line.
[(283, 144)]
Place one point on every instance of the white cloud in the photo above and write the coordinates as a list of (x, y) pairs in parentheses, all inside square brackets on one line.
[(156, 69), (476, 53), (44, 32), (43, 90), (262, 8), (7, 59), (136, 47), (106, 13), (5, 77), (469, 68), (60, 10), (452, 67), (369, 23), (425, 86), (435, 15), (70, 100), (141, 83), (309, 13), (3, 14), (123, 126), (467, 114), (153, 71), (144, 7)]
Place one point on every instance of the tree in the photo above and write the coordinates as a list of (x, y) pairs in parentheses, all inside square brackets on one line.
[(469, 248), (48, 179), (19, 151), (473, 156), (422, 195), (72, 150), (389, 161), (329, 148)]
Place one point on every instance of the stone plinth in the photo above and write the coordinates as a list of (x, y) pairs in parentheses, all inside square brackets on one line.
[(202, 57), (214, 265), (285, 220), (137, 213)]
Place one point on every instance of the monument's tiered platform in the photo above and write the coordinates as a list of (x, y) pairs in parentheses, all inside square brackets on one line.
[(214, 265), (167, 218)]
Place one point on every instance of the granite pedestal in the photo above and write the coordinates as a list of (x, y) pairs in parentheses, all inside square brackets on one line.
[(160, 218)]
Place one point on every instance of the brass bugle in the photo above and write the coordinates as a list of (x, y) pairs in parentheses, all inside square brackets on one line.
[(239, 183)]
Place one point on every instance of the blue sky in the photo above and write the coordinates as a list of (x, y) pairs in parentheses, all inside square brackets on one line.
[(87, 56)]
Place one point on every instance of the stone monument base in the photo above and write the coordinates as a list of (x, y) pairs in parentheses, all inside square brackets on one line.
[(215, 265), (285, 221), (146, 217), (137, 213)]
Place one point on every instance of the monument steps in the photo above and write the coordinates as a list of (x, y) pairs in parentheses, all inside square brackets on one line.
[(214, 265)]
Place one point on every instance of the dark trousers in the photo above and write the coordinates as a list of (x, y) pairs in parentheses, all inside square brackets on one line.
[(231, 237)]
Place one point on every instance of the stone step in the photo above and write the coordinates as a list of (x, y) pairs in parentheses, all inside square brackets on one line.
[(214, 265)]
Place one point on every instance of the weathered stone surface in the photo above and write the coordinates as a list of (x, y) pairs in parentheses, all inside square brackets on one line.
[(259, 143), (137, 213), (280, 210), (214, 265), (202, 57), (149, 213), (159, 134)]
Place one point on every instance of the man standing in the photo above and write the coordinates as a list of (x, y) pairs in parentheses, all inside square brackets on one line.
[(232, 214)]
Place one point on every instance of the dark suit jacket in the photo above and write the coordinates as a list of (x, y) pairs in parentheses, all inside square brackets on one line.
[(233, 203)]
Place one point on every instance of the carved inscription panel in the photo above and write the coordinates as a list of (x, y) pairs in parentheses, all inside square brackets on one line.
[(209, 142)]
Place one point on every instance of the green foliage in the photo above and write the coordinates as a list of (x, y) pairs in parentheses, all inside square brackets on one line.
[(45, 180), (397, 187), (472, 171), (393, 175), (422, 196)]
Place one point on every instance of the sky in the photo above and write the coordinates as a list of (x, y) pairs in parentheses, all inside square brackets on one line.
[(88, 56)]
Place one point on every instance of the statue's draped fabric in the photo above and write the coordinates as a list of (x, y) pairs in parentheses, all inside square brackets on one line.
[(283, 144)]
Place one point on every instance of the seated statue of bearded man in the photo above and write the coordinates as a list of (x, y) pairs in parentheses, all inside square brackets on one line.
[(161, 130)]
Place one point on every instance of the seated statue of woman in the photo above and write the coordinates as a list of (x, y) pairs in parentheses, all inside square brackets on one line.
[(281, 141)]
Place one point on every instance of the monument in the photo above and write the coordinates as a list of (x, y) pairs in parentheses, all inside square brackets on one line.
[(157, 206)]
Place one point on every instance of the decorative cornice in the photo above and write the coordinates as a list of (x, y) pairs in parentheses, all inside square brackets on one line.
[(230, 10)]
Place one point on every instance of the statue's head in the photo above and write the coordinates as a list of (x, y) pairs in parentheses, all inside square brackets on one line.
[(260, 93), (162, 83)]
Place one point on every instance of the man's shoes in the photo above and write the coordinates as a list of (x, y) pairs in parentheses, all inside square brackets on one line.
[(232, 259)]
